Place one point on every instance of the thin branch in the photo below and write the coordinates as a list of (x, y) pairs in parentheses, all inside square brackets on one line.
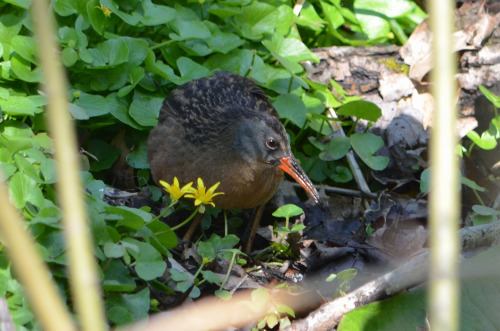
[(83, 269), (413, 272), (444, 191)]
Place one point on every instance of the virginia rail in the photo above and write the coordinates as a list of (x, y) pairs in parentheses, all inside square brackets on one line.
[(224, 128)]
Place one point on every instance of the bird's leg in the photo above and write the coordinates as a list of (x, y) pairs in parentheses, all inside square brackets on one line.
[(253, 229), (194, 225)]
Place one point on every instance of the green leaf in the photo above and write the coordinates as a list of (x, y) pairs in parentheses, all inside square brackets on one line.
[(163, 234), (309, 18), (22, 69), (138, 158), (127, 308), (69, 56), (93, 104), (114, 250), (487, 140), (96, 16), (206, 250), (288, 211), (211, 277), (333, 15), (335, 149), (132, 20), (331, 278), (149, 262), (25, 4), (425, 178), (373, 15), (117, 277), (222, 42), (297, 228), (366, 145), (289, 52), (223, 294), (471, 184), (493, 98), (64, 7), (238, 61), (190, 70), (110, 53), (17, 105), (53, 242), (131, 218), (341, 174), (361, 110), (485, 211), (25, 47), (187, 30), (290, 106), (145, 108), (106, 155), (24, 189), (255, 20), (483, 219), (156, 14)]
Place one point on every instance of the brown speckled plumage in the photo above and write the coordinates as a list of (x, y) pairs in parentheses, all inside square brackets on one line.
[(217, 128)]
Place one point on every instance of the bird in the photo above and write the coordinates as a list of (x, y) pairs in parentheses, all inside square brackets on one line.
[(223, 128)]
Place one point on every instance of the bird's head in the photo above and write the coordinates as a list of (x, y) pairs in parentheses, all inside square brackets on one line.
[(262, 138)]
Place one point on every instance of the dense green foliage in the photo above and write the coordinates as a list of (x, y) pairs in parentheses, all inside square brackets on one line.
[(122, 58)]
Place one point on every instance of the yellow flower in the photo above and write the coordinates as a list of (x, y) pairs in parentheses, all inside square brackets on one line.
[(202, 195), (105, 10), (176, 192)]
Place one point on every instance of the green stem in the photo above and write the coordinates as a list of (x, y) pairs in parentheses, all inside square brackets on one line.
[(233, 257), (187, 220), (469, 150), (164, 211), (478, 197), (351, 130), (160, 45), (301, 132), (199, 269), (225, 223), (290, 85)]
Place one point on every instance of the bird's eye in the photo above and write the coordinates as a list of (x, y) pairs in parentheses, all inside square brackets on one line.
[(272, 143)]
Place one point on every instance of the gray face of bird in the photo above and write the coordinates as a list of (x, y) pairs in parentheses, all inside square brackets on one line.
[(261, 140), (265, 140)]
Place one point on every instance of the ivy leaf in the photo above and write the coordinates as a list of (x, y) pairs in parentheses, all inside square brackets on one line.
[(288, 211), (366, 145), (149, 262), (145, 108), (24, 189), (361, 110), (131, 218), (156, 14), (206, 250), (290, 106), (493, 98), (126, 308), (117, 277)]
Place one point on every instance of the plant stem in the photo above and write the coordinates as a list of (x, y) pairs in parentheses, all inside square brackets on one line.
[(225, 223), (444, 197), (160, 45), (186, 221), (164, 211), (233, 257), (83, 276)]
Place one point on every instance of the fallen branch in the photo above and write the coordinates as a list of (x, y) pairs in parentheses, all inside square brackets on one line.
[(414, 271)]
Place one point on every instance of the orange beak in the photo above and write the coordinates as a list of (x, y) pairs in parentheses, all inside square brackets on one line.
[(291, 167)]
